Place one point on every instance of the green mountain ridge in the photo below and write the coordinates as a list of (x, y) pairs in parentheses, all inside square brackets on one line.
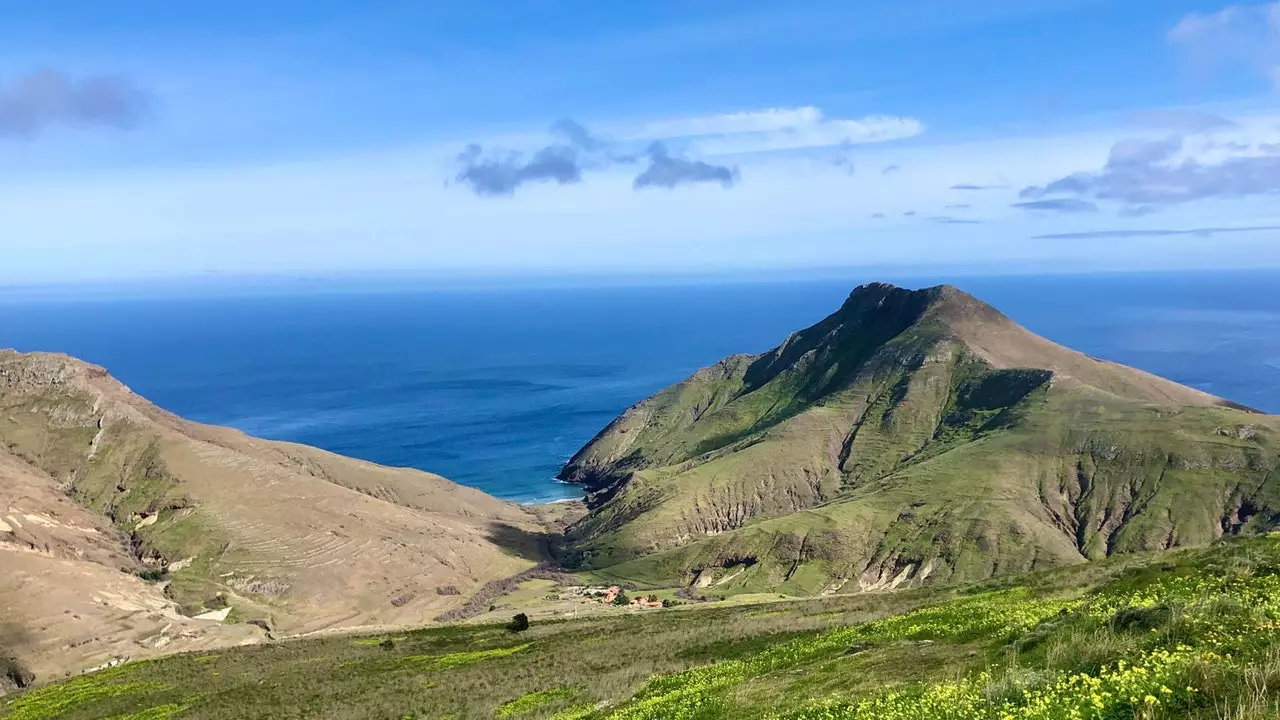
[(911, 437)]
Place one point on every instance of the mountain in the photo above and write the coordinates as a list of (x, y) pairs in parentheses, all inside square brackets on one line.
[(119, 522), (913, 436)]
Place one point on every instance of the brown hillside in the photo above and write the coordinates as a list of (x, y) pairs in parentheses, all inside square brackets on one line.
[(293, 537)]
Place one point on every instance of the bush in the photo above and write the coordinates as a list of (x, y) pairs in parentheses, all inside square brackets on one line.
[(622, 598), (519, 623), (154, 575), (1142, 618)]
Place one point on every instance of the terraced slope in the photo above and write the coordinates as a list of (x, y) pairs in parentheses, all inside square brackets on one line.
[(913, 436), (96, 480)]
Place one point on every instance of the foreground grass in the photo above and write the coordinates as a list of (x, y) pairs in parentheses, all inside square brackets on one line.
[(1181, 635)]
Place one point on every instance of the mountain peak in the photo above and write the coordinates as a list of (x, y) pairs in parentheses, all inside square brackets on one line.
[(911, 435)]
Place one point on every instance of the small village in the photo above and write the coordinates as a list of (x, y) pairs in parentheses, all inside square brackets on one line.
[(611, 595)]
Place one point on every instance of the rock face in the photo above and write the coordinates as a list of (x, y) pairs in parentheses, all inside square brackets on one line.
[(910, 437), (119, 522)]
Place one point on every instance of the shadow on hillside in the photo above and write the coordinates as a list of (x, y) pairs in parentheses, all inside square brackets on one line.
[(534, 546)]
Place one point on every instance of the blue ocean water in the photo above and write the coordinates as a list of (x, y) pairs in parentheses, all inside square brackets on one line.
[(497, 388)]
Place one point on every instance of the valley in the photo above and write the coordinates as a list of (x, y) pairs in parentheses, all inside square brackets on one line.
[(914, 504)]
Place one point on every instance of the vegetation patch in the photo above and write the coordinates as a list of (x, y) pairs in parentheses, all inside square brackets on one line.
[(534, 700), (55, 701), (451, 660)]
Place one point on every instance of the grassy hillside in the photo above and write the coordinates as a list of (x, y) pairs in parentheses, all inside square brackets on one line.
[(101, 486), (1182, 634), (913, 437)]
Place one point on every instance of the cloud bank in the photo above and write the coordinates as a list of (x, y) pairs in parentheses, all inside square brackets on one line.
[(1199, 232), (1144, 174), (1064, 205)]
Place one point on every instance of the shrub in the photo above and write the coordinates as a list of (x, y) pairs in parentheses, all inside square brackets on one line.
[(622, 598), (154, 574), (519, 623)]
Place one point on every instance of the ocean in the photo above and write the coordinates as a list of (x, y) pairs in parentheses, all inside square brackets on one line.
[(496, 388)]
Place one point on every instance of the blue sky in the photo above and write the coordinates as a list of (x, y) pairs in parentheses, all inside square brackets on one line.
[(148, 139)]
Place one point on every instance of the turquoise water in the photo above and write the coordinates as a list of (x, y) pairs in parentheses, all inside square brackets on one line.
[(497, 388)]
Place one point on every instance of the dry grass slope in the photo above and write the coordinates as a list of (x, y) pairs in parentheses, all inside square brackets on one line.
[(97, 480)]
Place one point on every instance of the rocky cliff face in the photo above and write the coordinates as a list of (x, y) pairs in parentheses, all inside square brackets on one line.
[(914, 436)]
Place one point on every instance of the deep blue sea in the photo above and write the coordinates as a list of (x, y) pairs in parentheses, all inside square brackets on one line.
[(497, 388)]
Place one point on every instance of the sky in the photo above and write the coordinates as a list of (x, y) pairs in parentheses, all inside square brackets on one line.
[(152, 139)]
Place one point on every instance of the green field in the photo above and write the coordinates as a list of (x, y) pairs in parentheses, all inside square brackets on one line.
[(1186, 634)]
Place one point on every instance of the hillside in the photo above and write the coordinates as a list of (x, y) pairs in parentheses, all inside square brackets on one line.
[(1179, 635), (913, 437), (119, 521)]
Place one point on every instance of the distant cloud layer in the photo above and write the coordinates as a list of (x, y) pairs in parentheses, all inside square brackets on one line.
[(39, 101), (1237, 36), (1065, 205), (775, 129), (679, 151), (669, 172), (973, 187), (1200, 232), (1143, 174)]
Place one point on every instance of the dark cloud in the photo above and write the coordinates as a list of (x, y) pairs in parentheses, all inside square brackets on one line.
[(1146, 174), (909, 213), (949, 220), (1067, 205), (878, 216), (958, 206), (667, 171), (501, 176), (577, 150), (969, 186), (1201, 232), (33, 103), (890, 169)]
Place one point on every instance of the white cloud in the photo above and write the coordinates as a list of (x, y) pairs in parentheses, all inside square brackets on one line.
[(739, 122), (1246, 35), (775, 129)]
